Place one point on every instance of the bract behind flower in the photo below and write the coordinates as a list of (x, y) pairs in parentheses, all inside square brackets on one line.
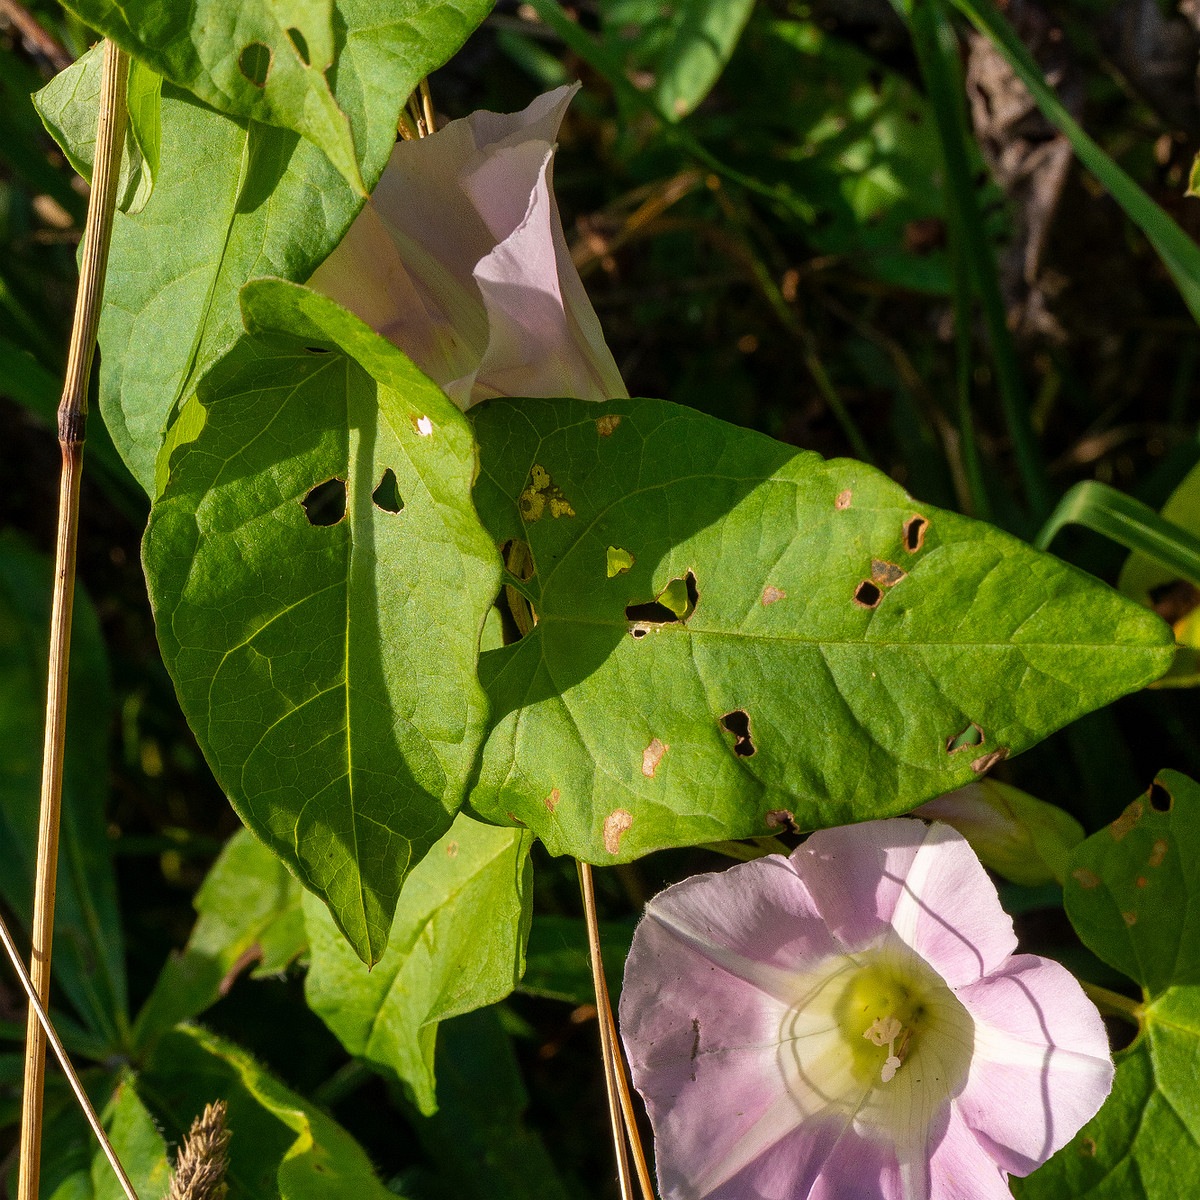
[(849, 1022), (459, 258)]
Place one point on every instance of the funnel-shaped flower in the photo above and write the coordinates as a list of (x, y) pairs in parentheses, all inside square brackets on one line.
[(849, 1023), (459, 259)]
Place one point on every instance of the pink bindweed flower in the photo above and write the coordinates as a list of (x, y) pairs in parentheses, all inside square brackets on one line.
[(850, 1023), (459, 259)]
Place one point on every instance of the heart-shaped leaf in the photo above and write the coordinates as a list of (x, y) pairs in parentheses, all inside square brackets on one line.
[(320, 579), (794, 640)]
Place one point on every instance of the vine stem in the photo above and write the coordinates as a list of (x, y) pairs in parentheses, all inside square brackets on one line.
[(1113, 1003), (620, 1099), (60, 1052), (72, 422)]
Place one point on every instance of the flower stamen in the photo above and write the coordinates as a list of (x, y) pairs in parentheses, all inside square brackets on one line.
[(884, 1031)]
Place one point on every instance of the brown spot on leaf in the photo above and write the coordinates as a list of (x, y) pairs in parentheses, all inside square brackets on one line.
[(1158, 853), (551, 801), (986, 762), (777, 818), (914, 532), (252, 954), (651, 757), (771, 593), (1130, 919), (843, 501), (1141, 881), (615, 825), (452, 849), (1087, 1147), (867, 594), (886, 574), (1127, 820), (1085, 878), (606, 424)]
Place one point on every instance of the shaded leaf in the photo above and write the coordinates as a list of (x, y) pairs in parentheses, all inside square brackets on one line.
[(483, 1148), (281, 1148), (557, 965), (328, 670), (457, 943), (249, 918), (1131, 896), (88, 960), (839, 636)]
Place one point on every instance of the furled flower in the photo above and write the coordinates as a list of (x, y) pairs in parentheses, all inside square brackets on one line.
[(459, 259), (849, 1023), (1015, 834)]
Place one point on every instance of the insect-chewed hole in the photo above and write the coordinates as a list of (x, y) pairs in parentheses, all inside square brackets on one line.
[(676, 602), (867, 594), (254, 62), (387, 495), (971, 736), (316, 349), (326, 503), (300, 44), (738, 723), (1160, 799), (914, 533)]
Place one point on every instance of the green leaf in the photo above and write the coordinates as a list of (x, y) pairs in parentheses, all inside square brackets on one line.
[(328, 670), (269, 64), (139, 1146), (1131, 896), (679, 50), (68, 107), (282, 1147), (557, 965), (840, 635), (1149, 581), (477, 1138), (457, 943), (1180, 255), (249, 915), (235, 198), (88, 960)]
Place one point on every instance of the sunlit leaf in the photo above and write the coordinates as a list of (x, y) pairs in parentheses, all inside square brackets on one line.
[(839, 636)]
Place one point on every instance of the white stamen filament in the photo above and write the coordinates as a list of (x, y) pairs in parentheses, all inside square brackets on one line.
[(883, 1032)]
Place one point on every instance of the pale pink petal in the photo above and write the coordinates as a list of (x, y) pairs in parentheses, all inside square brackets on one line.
[(961, 1169), (925, 882), (859, 1168), (753, 915), (1040, 1067), (785, 1171), (703, 1051)]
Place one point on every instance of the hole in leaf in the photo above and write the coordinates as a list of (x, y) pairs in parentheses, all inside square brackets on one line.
[(317, 349), (300, 45), (387, 495), (914, 533), (638, 631), (326, 503), (1160, 799), (254, 62), (676, 602), (867, 594), (985, 762), (738, 723), (971, 736), (517, 617), (1174, 601)]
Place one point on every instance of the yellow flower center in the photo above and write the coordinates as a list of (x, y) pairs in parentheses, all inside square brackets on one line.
[(880, 1014)]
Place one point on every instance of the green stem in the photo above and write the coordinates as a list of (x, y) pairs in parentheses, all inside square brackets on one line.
[(1113, 1003)]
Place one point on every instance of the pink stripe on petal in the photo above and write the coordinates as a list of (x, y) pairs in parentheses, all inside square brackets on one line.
[(1041, 1065), (961, 1169)]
